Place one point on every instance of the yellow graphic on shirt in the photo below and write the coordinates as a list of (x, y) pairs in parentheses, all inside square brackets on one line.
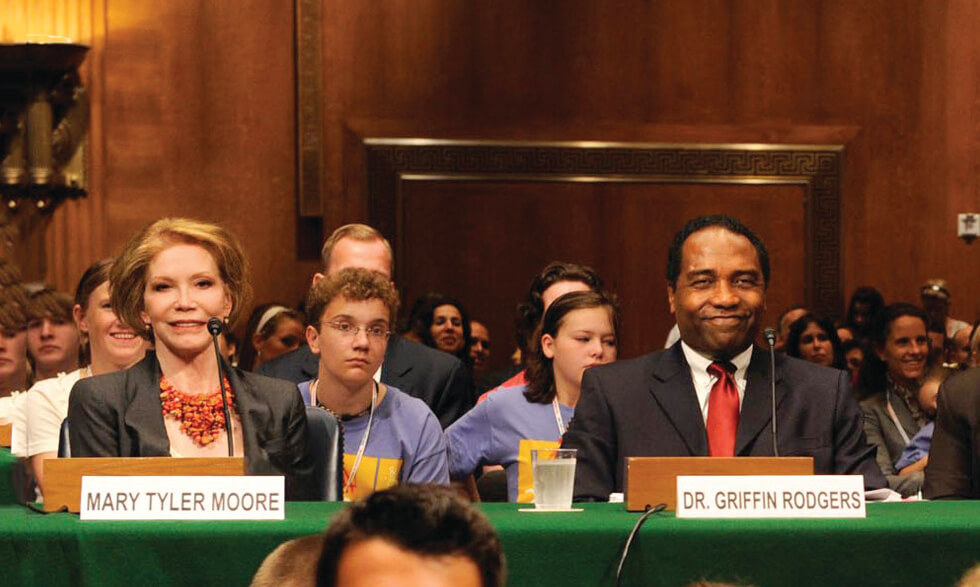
[(525, 475), (372, 475)]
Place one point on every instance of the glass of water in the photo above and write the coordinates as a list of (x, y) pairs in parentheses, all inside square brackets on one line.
[(554, 478)]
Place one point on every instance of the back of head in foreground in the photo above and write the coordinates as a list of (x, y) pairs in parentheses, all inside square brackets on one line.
[(423, 533)]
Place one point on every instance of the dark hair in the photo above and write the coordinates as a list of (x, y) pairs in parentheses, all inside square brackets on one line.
[(799, 325), (872, 377), (849, 345), (728, 223), (875, 302), (423, 313), (427, 520), (540, 372), (247, 353), (94, 276), (530, 311)]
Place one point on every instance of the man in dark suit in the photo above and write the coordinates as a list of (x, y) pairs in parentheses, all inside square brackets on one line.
[(437, 378), (953, 471), (709, 394)]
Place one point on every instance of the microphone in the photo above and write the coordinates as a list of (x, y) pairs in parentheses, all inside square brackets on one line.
[(214, 327), (770, 334)]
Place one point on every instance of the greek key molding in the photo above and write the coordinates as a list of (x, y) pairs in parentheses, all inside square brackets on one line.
[(817, 168)]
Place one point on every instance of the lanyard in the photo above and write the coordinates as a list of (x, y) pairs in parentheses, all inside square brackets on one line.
[(558, 420), (364, 439), (894, 416)]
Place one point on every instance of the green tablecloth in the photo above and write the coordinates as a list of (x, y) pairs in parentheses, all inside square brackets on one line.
[(897, 544), (7, 464)]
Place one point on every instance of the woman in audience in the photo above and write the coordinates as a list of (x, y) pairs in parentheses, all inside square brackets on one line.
[(111, 345), (52, 335), (865, 304), (13, 350), (889, 384), (442, 323), (854, 353), (578, 331), (167, 282), (814, 339), (390, 437), (272, 330)]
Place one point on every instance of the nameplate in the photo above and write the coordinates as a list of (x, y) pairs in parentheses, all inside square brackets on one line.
[(777, 496), (183, 498)]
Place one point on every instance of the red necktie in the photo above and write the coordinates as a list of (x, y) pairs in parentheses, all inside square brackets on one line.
[(722, 411)]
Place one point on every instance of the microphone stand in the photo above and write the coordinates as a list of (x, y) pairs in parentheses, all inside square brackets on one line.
[(214, 327), (770, 334)]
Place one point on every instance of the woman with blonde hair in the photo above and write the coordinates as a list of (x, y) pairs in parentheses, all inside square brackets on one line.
[(167, 283)]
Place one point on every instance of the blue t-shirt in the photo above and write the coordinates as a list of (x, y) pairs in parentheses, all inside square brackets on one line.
[(502, 430), (918, 447), (405, 445)]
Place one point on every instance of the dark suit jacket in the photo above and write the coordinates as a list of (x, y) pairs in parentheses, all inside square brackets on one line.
[(437, 378), (120, 415), (647, 407), (953, 471)]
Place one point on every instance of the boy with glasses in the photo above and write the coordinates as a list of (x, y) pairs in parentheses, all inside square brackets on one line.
[(389, 436)]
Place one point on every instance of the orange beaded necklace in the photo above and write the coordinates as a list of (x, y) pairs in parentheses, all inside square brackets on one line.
[(201, 416)]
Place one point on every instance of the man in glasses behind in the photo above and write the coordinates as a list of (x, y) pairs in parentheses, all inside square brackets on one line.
[(390, 437)]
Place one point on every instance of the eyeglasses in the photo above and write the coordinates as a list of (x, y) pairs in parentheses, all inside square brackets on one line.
[(348, 330)]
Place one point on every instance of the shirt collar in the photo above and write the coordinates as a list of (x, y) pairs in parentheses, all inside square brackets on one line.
[(699, 363)]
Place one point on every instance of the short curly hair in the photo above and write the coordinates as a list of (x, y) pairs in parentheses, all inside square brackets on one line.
[(355, 285), (128, 274)]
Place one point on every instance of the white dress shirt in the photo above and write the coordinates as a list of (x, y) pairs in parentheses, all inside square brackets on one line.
[(704, 380)]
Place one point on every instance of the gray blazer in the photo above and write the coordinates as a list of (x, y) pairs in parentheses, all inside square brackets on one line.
[(120, 415), (884, 435)]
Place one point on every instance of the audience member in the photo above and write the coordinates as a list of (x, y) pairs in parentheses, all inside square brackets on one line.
[(953, 470), (888, 385), (442, 323), (937, 343), (412, 536), (479, 347), (578, 332), (854, 352), (960, 352), (272, 330), (14, 375), (111, 346), (814, 338), (709, 394), (440, 380), (168, 281), (397, 437), (915, 456), (52, 336), (865, 304), (554, 281), (935, 298), (790, 315), (845, 334)]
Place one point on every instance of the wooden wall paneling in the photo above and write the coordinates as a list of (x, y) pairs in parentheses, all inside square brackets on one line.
[(200, 121), (536, 202)]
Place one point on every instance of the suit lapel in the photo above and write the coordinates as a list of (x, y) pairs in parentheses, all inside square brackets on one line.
[(673, 389), (756, 405), (395, 367), (143, 417), (254, 414)]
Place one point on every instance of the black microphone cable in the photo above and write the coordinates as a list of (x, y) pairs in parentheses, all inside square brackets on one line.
[(649, 511), (214, 327)]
